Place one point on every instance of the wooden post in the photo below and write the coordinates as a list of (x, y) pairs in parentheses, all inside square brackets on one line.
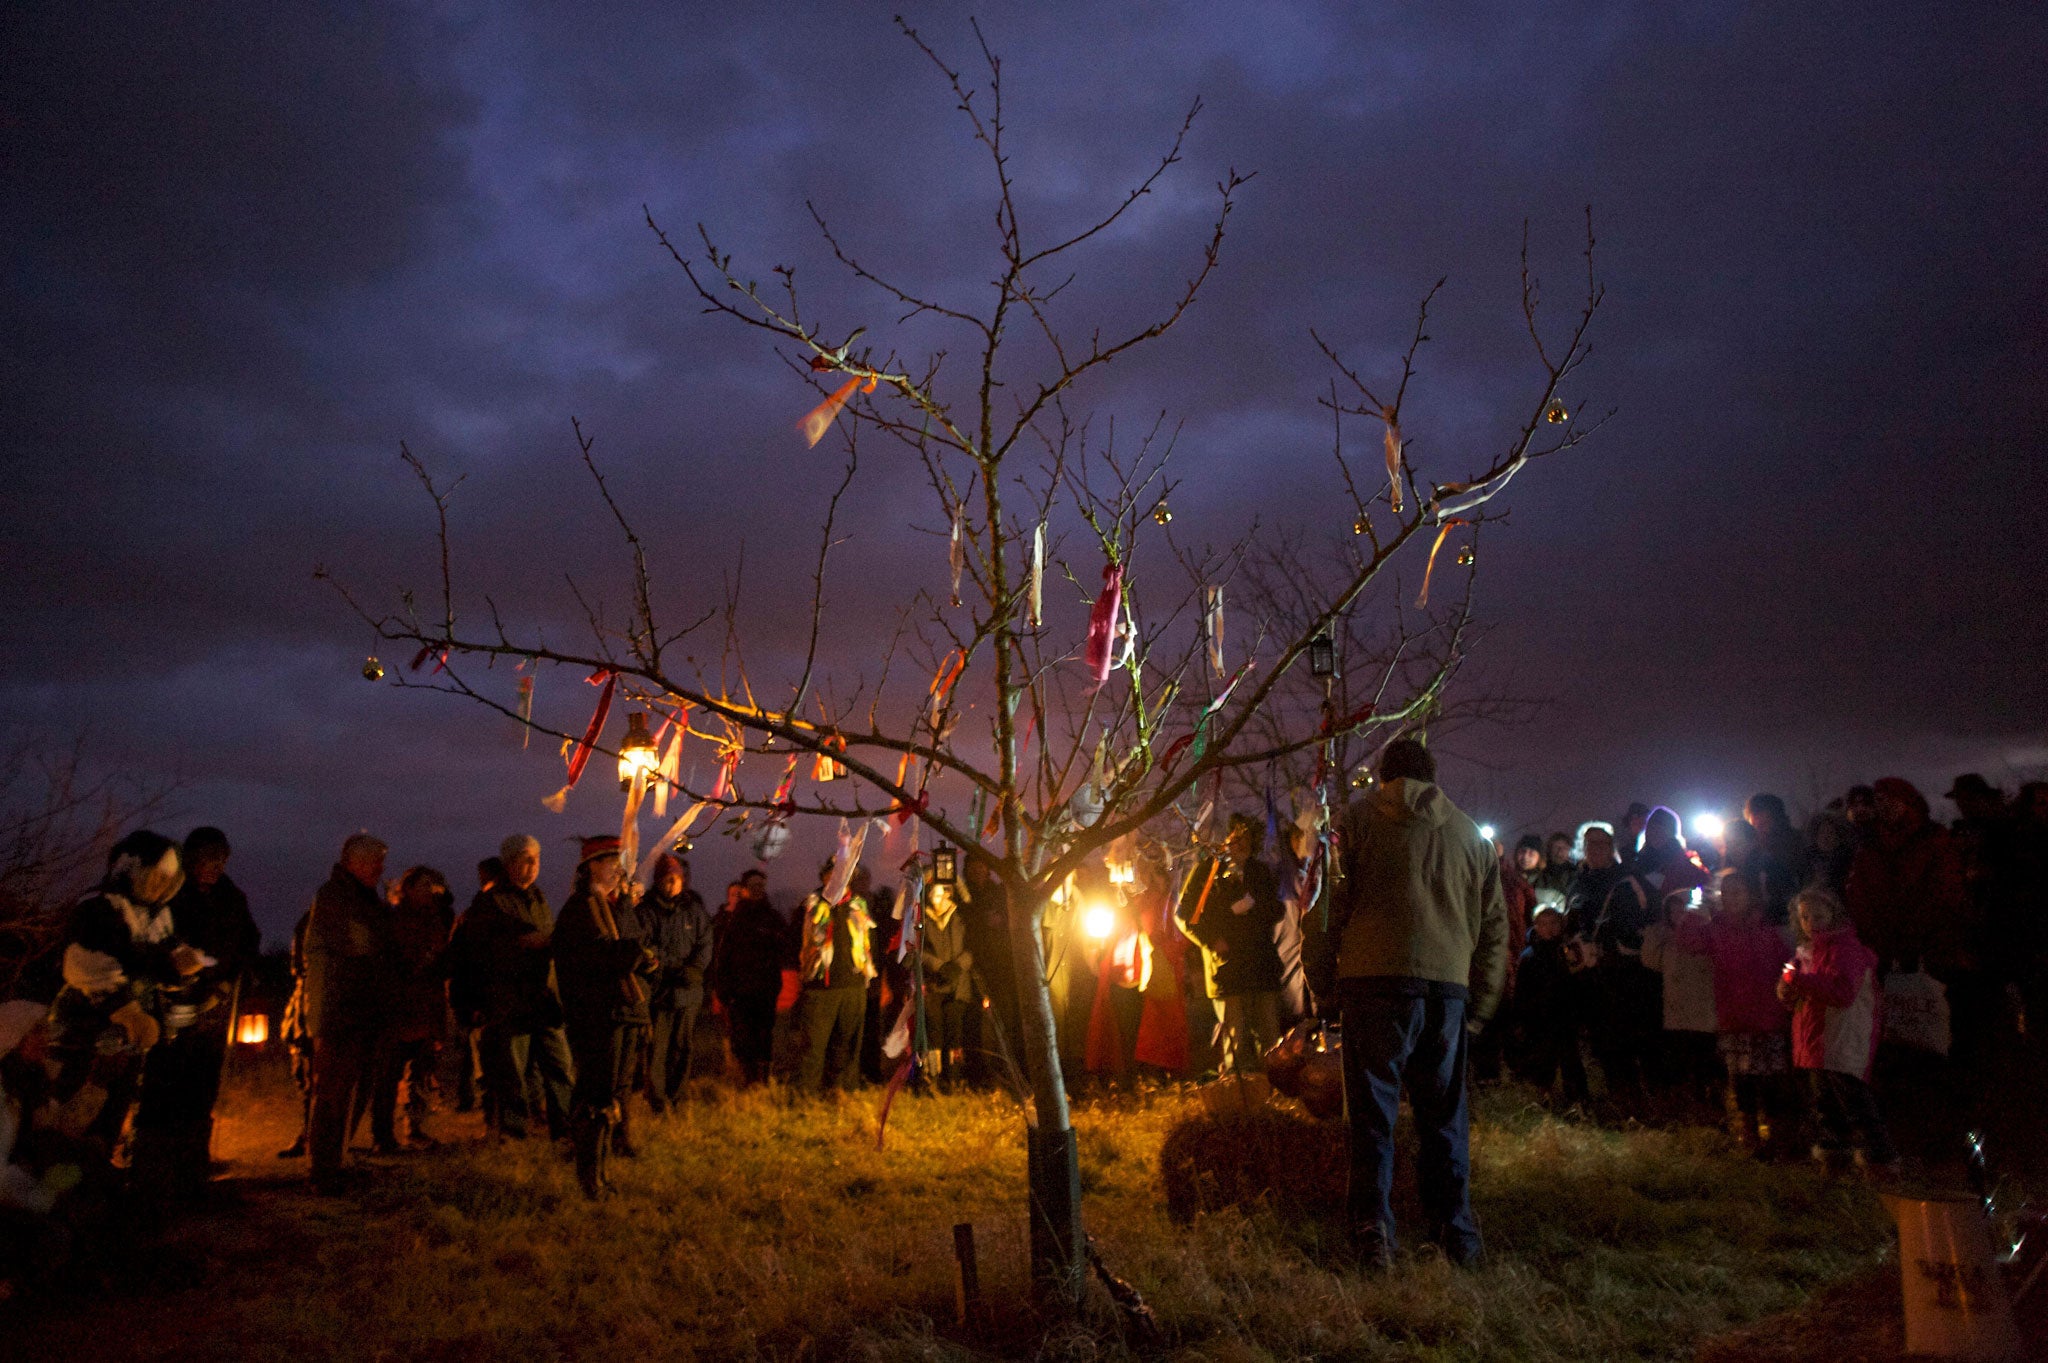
[(966, 1276)]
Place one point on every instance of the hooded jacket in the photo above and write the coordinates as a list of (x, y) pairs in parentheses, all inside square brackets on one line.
[(1906, 893), (1835, 1006), (1420, 898)]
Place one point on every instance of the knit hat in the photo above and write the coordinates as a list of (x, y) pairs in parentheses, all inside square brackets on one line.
[(1529, 842), (205, 841), (665, 865), (604, 845)]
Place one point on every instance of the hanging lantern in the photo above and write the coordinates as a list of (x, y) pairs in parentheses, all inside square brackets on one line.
[(637, 752), (252, 1029), (945, 866), (372, 669), (1466, 557), (1322, 656), (1556, 414), (1162, 514)]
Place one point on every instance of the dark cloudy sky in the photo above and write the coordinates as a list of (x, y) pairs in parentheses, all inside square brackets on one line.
[(252, 247)]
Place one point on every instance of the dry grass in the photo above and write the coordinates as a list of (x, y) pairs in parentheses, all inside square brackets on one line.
[(757, 1227)]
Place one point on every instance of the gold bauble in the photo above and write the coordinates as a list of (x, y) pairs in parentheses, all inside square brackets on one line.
[(1162, 514), (1556, 414), (1465, 557), (372, 669)]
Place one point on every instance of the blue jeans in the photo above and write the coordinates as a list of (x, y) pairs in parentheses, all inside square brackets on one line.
[(1408, 1033)]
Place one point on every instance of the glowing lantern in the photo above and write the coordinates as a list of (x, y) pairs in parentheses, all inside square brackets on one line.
[(1098, 920), (637, 752), (252, 1029), (945, 866)]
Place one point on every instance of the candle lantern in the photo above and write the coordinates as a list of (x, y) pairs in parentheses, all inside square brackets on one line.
[(945, 866), (637, 752), (1322, 655), (252, 1029)]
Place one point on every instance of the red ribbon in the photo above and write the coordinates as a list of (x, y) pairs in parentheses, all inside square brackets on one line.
[(577, 759), (1102, 623)]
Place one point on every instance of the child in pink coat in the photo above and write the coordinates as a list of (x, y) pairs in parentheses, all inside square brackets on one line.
[(1751, 1023), (1831, 984)]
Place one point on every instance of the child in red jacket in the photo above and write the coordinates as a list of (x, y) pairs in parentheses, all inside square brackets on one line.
[(1831, 985), (1749, 1019)]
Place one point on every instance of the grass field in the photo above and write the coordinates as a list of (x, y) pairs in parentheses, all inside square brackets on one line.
[(758, 1226)]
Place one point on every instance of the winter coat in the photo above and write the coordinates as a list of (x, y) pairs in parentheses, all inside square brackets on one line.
[(1519, 897), (1546, 997), (1588, 896), (420, 998), (1835, 1004), (216, 920), (117, 951), (944, 957), (1556, 877), (1637, 900), (351, 959), (495, 976), (1907, 898), (1778, 861), (1747, 957), (603, 975), (679, 932), (750, 946), (1232, 919), (1688, 982), (815, 947), (1420, 896)]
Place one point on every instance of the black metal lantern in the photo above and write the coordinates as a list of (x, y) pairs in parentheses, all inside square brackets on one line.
[(1322, 655), (945, 866), (637, 753)]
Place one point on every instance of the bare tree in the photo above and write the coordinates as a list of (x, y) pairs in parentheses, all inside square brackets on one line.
[(58, 820), (1091, 734)]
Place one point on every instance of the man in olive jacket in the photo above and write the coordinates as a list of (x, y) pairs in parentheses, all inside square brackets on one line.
[(1414, 957), (501, 979), (350, 975)]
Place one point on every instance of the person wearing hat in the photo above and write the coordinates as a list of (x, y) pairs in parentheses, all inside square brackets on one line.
[(604, 975), (1230, 907), (671, 917), (181, 1081), (120, 953)]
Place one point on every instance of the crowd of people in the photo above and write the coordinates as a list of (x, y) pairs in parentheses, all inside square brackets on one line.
[(1754, 972)]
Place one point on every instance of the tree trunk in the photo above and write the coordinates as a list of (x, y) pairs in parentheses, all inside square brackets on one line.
[(1058, 1242)]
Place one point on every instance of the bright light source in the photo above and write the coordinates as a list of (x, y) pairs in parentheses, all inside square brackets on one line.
[(1486, 831), (1708, 826), (1099, 921)]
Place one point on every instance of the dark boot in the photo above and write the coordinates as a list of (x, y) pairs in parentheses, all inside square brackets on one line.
[(587, 1133), (622, 1143)]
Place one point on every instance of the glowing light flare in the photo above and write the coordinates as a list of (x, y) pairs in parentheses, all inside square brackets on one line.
[(1098, 921), (637, 752), (1709, 826), (1486, 831), (252, 1029)]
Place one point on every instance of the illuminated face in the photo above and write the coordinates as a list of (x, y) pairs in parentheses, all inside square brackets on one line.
[(605, 874), (671, 884), (1599, 849), (523, 867), (1529, 859), (366, 865), (1560, 851)]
